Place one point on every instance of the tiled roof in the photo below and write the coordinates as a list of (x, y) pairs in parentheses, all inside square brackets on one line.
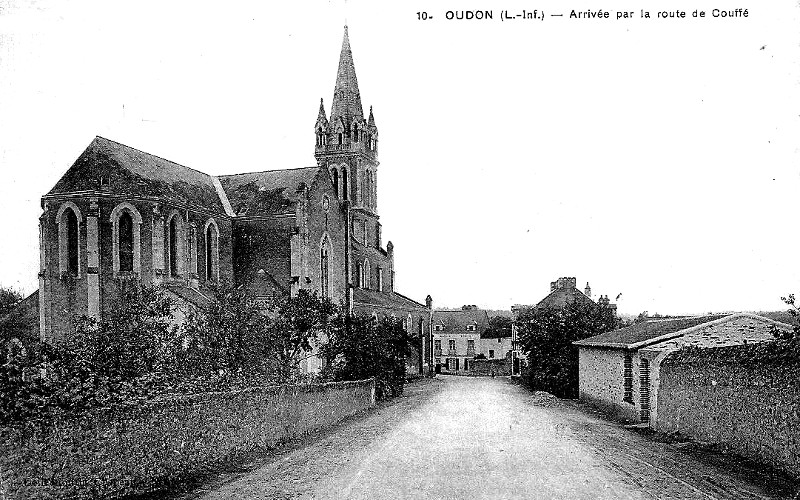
[(387, 300), (735, 329), (456, 320), (131, 172), (268, 192), (641, 333)]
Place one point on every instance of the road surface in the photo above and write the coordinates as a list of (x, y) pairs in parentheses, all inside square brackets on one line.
[(466, 438)]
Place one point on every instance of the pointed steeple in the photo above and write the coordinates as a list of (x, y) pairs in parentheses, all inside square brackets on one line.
[(321, 124), (371, 120), (346, 97)]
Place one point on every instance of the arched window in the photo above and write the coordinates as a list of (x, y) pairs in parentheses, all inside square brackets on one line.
[(355, 132), (335, 177), (410, 323), (126, 250), (366, 274), (324, 266), (345, 194), (176, 244), (125, 242), (211, 237), (360, 275), (68, 220)]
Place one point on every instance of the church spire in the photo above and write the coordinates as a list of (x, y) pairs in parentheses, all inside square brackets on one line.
[(346, 97)]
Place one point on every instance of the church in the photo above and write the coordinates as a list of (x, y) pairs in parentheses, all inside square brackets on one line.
[(122, 214)]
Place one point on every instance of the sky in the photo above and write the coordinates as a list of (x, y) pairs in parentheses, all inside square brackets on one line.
[(654, 158)]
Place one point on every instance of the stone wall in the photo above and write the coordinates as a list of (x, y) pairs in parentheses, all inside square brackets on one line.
[(601, 374), (485, 367), (115, 452), (744, 397)]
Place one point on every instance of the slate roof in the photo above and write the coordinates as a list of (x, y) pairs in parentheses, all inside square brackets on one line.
[(734, 329), (641, 333), (22, 321), (267, 192), (388, 300), (456, 320), (190, 295), (346, 97), (131, 172), (560, 297)]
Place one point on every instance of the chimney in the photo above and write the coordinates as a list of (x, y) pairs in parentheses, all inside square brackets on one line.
[(429, 302), (588, 290)]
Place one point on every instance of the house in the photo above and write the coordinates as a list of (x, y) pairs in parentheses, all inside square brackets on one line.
[(495, 344), (619, 370), (456, 337), (120, 214)]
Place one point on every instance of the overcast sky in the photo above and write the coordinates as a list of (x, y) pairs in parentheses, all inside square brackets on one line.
[(659, 159)]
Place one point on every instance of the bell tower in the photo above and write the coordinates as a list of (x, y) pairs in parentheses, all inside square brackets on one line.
[(347, 143)]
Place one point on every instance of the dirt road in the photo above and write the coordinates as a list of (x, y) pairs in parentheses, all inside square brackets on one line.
[(472, 438)]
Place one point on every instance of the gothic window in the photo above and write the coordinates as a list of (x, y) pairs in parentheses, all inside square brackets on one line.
[(365, 232), (341, 138), (324, 266), (211, 236), (380, 279), (176, 244), (410, 323), (345, 195), (355, 131), (366, 274), (126, 242), (335, 177), (360, 275), (126, 250), (68, 220)]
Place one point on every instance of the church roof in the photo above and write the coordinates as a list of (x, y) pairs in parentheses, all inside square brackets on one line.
[(385, 300), (267, 192), (346, 97), (128, 171)]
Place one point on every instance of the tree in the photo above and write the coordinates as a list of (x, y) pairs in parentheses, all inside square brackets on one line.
[(794, 310), (226, 342), (546, 336), (361, 347), (499, 327), (8, 299), (297, 325)]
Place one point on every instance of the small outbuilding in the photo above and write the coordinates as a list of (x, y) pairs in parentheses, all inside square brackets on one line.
[(619, 370)]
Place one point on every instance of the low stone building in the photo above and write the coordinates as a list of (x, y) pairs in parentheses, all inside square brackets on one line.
[(619, 370)]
